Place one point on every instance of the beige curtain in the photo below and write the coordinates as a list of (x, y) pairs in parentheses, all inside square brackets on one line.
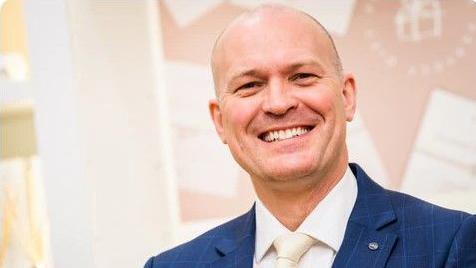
[(23, 219)]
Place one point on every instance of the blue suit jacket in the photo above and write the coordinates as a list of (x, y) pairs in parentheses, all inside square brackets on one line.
[(409, 233)]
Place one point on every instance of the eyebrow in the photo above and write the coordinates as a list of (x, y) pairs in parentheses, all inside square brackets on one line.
[(252, 72), (300, 64)]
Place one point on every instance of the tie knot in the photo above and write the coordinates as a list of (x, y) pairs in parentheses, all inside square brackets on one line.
[(292, 246)]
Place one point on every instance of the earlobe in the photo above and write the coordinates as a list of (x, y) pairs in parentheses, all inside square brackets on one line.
[(349, 94), (215, 114)]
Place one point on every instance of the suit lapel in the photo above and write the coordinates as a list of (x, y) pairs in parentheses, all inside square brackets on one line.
[(238, 245), (367, 243), (364, 248)]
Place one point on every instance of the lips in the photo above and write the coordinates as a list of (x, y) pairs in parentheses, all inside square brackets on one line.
[(284, 133)]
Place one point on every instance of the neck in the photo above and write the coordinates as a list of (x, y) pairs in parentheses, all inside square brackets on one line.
[(291, 204)]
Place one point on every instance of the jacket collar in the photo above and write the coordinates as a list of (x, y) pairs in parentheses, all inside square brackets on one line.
[(366, 229), (372, 207), (367, 241), (238, 248)]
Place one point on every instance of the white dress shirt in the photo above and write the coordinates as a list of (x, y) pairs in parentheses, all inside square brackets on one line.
[(326, 223)]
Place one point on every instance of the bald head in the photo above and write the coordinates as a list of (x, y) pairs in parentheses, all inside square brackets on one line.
[(269, 16)]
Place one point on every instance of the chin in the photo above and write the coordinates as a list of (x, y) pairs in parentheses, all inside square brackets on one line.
[(292, 171)]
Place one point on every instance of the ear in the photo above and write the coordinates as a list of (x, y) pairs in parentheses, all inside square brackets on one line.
[(217, 119), (349, 96)]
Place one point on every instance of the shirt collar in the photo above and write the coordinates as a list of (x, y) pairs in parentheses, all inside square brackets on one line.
[(267, 229), (326, 223)]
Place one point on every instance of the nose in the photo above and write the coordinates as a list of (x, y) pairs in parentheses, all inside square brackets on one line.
[(278, 100)]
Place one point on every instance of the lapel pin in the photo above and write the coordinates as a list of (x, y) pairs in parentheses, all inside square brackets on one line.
[(373, 245)]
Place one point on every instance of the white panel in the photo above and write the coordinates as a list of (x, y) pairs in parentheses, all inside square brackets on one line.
[(69, 196), (123, 118), (443, 159)]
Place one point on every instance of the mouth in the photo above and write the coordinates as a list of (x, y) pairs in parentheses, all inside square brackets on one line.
[(284, 134)]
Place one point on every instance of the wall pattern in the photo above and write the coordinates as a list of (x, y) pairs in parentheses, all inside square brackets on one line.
[(414, 62)]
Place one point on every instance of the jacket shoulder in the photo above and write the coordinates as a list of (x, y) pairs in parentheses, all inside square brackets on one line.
[(200, 250), (432, 234), (463, 248), (416, 212)]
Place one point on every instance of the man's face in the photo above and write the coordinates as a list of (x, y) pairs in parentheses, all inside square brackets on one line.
[(282, 106)]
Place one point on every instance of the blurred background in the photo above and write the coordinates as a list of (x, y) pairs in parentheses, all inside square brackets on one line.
[(107, 153)]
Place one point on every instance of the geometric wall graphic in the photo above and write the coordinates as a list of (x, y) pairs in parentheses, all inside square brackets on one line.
[(410, 48), (194, 134), (362, 150), (334, 15), (205, 168)]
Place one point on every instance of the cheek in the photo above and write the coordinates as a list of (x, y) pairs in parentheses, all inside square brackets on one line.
[(238, 114), (321, 100)]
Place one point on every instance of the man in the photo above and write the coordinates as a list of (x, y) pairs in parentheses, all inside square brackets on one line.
[(283, 102)]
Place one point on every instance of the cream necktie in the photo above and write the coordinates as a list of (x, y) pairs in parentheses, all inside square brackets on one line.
[(290, 247)]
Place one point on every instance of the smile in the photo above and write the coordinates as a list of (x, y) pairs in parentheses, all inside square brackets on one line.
[(284, 134)]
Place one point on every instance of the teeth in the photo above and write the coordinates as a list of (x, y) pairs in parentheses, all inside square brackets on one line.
[(289, 134), (279, 135)]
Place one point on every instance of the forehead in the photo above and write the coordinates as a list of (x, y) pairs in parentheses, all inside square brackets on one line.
[(272, 39)]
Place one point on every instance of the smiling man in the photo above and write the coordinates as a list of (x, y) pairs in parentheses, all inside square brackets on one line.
[(283, 102)]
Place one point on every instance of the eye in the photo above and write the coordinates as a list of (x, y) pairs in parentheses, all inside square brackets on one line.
[(302, 76), (250, 85)]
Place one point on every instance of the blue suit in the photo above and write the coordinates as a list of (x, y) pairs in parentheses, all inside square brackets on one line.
[(385, 229)]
